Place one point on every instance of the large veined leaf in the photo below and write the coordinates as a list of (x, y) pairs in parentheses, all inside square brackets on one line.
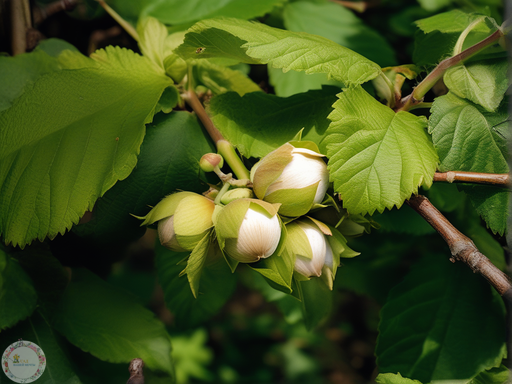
[(169, 159), (491, 203), (429, 323), (335, 23), (377, 158), (482, 82), (184, 13), (465, 137), (256, 43), (125, 329), (438, 35), (181, 12), (339, 24), (468, 138), (60, 367), (65, 141), (258, 123), (18, 296), (17, 72)]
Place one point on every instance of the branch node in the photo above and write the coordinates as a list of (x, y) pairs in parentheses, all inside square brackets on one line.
[(136, 372), (450, 177)]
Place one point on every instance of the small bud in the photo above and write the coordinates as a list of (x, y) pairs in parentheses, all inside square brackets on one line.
[(248, 230), (297, 178), (210, 161), (237, 193)]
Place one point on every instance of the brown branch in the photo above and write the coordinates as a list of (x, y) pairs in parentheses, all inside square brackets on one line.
[(20, 23), (136, 372), (41, 13), (500, 179), (438, 72), (461, 247)]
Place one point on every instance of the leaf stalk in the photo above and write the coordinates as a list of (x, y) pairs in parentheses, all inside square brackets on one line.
[(122, 22), (433, 77)]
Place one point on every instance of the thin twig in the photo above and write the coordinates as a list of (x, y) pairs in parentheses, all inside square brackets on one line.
[(41, 13), (499, 179), (122, 22), (136, 372), (433, 77), (20, 23), (461, 246)]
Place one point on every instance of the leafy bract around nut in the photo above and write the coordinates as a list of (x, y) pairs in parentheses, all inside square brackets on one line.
[(188, 216), (248, 229), (294, 176), (165, 207)]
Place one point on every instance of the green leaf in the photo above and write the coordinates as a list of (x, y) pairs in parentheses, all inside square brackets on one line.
[(217, 285), (428, 324), (222, 79), (391, 378), (438, 35), (157, 44), (491, 203), (258, 123), (335, 23), (54, 47), (467, 139), (59, 368), (169, 99), (497, 375), (316, 301), (339, 24), (450, 22), (291, 83), (482, 82), (169, 159), (17, 73), (256, 43), (110, 324), (196, 262), (377, 158), (277, 269), (181, 12), (18, 296), (62, 150), (154, 40), (434, 5)]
